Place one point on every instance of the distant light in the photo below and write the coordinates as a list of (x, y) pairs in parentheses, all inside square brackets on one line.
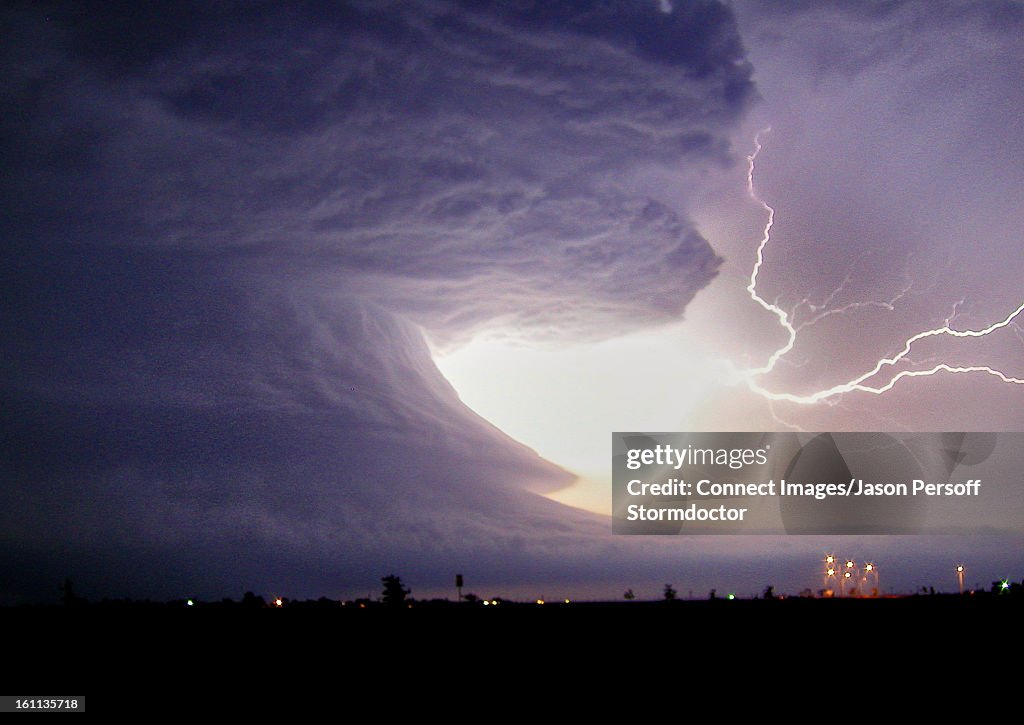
[(829, 559), (540, 601), (486, 602), (849, 564), (831, 572), (1006, 584), (566, 601), (494, 602), (869, 567), (959, 568), (279, 602), (731, 596), (189, 603), (847, 575)]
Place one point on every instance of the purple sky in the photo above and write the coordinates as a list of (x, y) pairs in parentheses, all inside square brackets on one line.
[(241, 246)]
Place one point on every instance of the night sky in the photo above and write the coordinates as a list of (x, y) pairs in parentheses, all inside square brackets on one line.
[(298, 295)]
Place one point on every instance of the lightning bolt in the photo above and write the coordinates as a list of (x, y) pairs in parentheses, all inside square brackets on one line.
[(824, 310), (861, 383)]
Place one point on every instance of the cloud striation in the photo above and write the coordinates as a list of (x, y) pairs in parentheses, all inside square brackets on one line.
[(230, 232)]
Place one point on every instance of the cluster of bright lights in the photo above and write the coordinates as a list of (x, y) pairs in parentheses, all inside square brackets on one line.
[(832, 562), (847, 571), (860, 383)]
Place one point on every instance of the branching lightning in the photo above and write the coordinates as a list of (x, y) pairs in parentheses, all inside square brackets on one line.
[(823, 310), (865, 382)]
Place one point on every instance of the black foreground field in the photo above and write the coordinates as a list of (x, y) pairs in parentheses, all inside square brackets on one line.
[(170, 653)]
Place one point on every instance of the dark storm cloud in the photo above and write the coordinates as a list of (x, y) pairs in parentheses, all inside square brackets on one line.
[(223, 225), (468, 159)]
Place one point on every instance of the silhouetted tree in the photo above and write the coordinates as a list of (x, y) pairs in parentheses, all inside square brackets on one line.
[(629, 595), (68, 595), (394, 593), (713, 594), (471, 598), (670, 593), (251, 600), (769, 592)]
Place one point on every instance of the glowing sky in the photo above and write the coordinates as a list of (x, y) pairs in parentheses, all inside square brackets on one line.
[(297, 297), (675, 372)]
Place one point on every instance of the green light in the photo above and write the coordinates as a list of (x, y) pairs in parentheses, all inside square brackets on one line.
[(732, 596), (1006, 584)]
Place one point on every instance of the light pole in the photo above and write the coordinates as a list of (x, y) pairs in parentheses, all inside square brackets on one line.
[(849, 576), (829, 575), (960, 576), (871, 571)]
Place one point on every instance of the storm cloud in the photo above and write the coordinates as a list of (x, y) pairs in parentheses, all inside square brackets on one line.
[(230, 233)]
